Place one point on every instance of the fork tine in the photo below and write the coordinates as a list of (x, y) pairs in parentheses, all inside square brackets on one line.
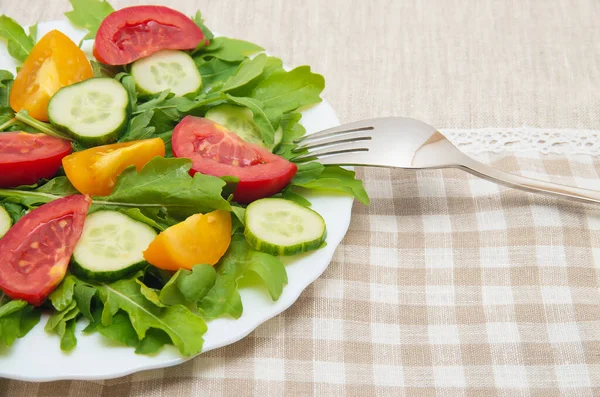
[(332, 141), (364, 125), (330, 150)]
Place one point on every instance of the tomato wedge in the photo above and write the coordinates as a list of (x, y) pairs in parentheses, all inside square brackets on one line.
[(214, 150), (94, 171), (27, 158), (37, 249), (54, 62), (199, 239), (135, 32)]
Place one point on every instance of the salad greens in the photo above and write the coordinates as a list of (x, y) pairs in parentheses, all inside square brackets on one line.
[(155, 307)]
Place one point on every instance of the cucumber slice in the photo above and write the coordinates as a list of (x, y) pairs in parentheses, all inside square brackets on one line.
[(5, 221), (111, 247), (282, 227), (167, 70), (237, 119), (94, 112)]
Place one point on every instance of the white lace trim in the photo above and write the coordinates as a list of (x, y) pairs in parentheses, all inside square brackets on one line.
[(525, 139)]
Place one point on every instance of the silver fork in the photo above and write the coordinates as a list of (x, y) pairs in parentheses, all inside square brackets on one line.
[(399, 142)]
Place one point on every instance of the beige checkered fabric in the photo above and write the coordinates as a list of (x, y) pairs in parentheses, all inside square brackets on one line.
[(446, 285)]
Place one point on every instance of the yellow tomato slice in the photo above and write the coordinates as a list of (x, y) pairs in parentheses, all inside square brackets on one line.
[(197, 240), (54, 62), (94, 171)]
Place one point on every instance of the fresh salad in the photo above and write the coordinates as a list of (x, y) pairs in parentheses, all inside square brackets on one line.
[(139, 187)]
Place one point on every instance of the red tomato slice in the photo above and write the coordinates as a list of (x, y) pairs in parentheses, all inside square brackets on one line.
[(216, 151), (37, 249), (135, 32), (27, 158)]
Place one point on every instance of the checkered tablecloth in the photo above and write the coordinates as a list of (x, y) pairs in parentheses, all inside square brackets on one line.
[(445, 285)]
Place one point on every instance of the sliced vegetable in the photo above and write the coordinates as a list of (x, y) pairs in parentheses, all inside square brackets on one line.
[(26, 158), (214, 150), (199, 239), (37, 249), (135, 32), (282, 227), (111, 247), (5, 221), (94, 171), (237, 119), (94, 112), (54, 62), (167, 70)]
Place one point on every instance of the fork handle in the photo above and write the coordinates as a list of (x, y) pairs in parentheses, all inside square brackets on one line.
[(528, 184)]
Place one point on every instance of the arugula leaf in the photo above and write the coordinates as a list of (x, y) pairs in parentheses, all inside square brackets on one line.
[(102, 70), (240, 260), (62, 296), (19, 43), (272, 65), (17, 318), (83, 294), (33, 32), (89, 14), (307, 172), (184, 328), (61, 316), (284, 91), (216, 70), (333, 178), (246, 72), (231, 50), (40, 126), (54, 189), (165, 186), (138, 127), (119, 330), (208, 35), (187, 286), (16, 211), (68, 341), (267, 131), (129, 83), (289, 194), (154, 340)]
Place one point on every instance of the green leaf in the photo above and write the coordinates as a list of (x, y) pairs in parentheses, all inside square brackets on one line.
[(239, 260), (216, 70), (272, 65), (136, 214), (289, 194), (334, 178), (120, 330), (62, 296), (102, 70), (284, 91), (267, 130), (199, 21), (187, 286), (231, 50), (16, 211), (11, 307), (129, 83), (33, 31), (83, 294), (164, 186), (16, 320), (246, 72), (68, 341), (138, 127), (59, 316), (88, 14), (40, 126), (183, 327), (19, 43), (307, 172), (154, 340), (151, 294), (54, 189), (59, 185)]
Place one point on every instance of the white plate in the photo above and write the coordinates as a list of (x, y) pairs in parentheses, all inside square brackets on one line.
[(37, 357)]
